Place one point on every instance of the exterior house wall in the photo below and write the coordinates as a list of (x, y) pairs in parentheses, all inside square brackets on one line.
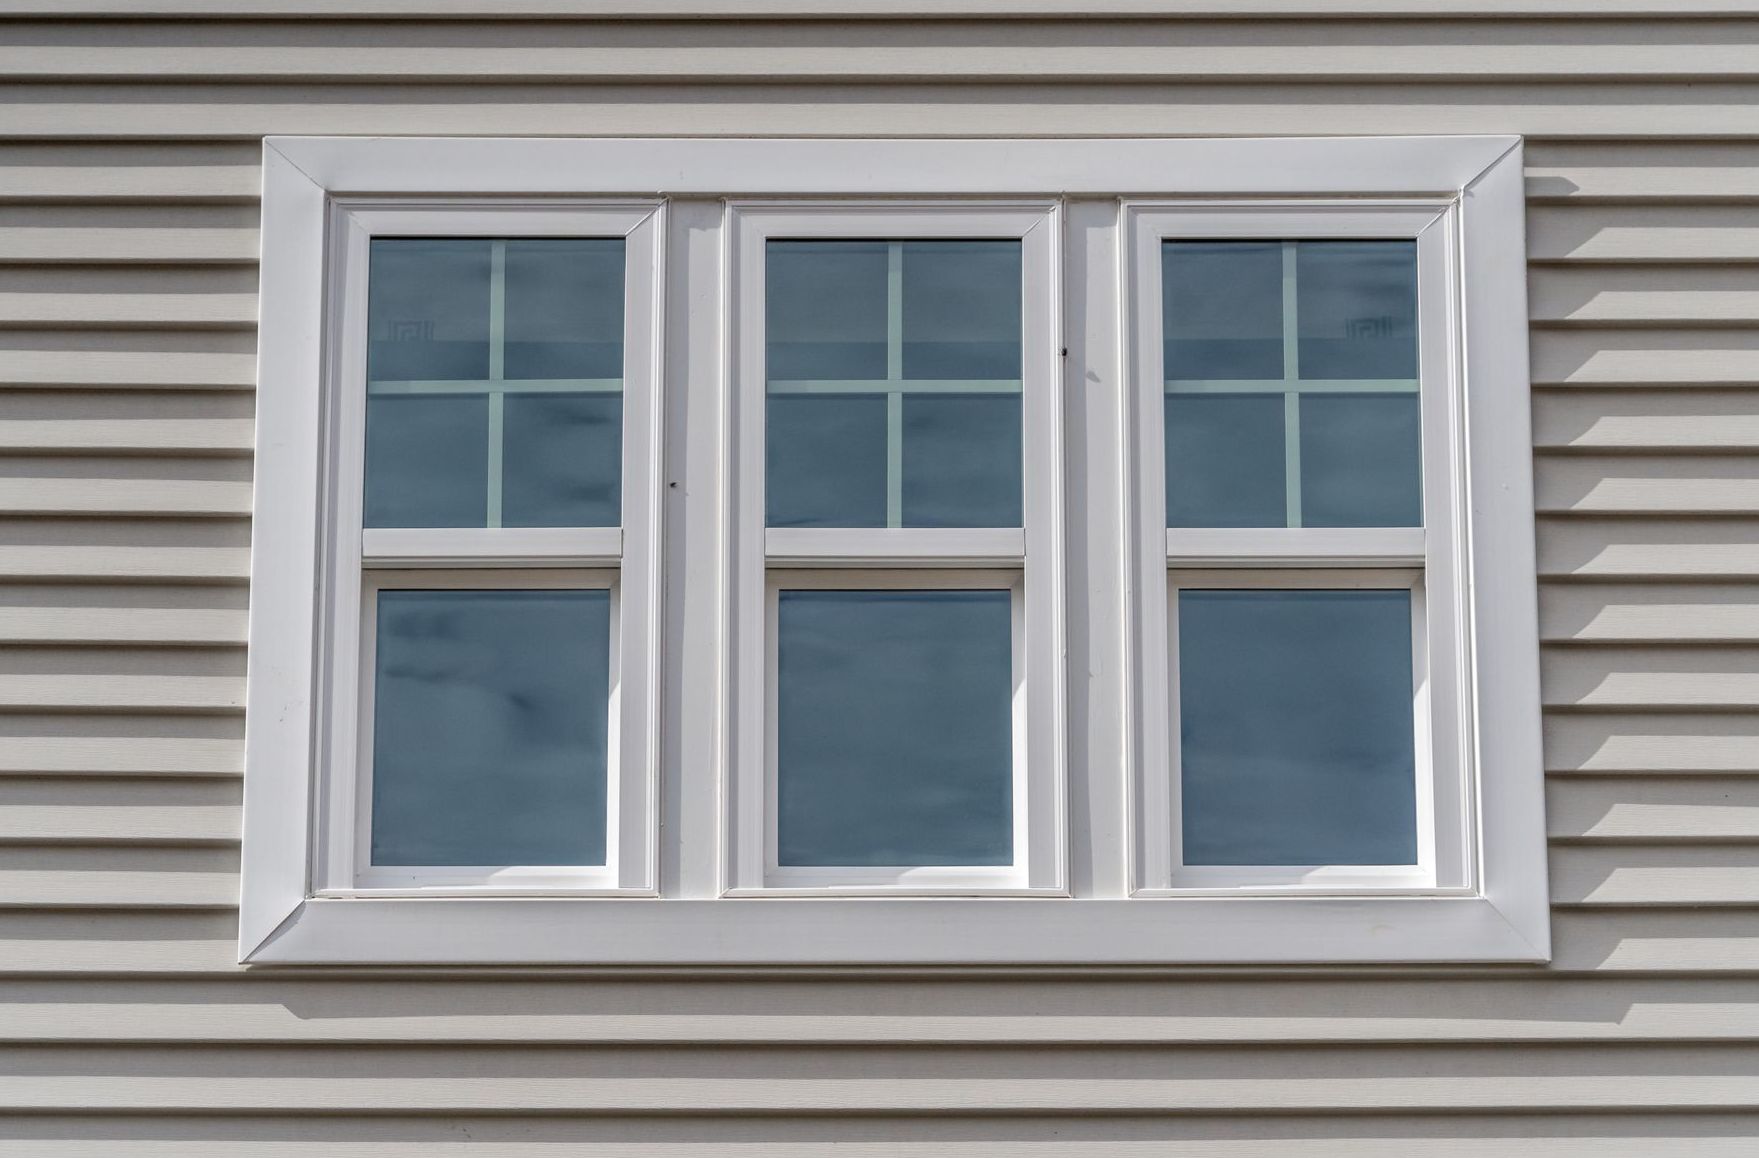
[(129, 173)]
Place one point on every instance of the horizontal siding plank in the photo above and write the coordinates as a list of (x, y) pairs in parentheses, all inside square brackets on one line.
[(1662, 234), (147, 563), (238, 112), (1675, 420), (100, 184), (1336, 49), (117, 889), (123, 755), (290, 1010), (121, 693), (1647, 485), (124, 496), (1663, 878), (98, 812), (229, 436), (1628, 613), (1636, 744), (68, 366), (122, 625), (1650, 678), (1646, 296), (1658, 184), (828, 1081), (900, 9), (1616, 941), (1585, 547), (176, 311), (1705, 357), (1629, 810), (92, 246)]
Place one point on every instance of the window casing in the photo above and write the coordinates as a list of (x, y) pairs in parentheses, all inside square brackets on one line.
[(1091, 872)]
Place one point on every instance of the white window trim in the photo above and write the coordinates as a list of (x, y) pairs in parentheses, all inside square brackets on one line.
[(1505, 918)]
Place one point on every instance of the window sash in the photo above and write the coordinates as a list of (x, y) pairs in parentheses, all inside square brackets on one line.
[(919, 557), (493, 880), (361, 561), (920, 880), (1304, 556), (1163, 797)]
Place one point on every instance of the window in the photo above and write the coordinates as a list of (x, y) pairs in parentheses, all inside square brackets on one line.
[(897, 685), (1298, 358), (893, 552)]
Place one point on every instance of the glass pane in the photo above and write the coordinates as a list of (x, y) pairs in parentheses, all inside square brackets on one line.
[(459, 431), (490, 717), (893, 723), (825, 457), (825, 310), (1225, 462), (1361, 460), (427, 460), (1357, 308), (1296, 727), (564, 308), (961, 309), (428, 309), (962, 460), (1222, 309), (563, 460), (931, 333)]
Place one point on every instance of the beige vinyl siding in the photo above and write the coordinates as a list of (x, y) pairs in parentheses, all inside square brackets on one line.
[(129, 169)]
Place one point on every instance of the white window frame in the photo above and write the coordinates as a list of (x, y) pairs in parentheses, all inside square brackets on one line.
[(1311, 557), (764, 556), (365, 560), (717, 570)]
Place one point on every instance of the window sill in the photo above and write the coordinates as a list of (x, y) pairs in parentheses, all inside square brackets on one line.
[(879, 931)]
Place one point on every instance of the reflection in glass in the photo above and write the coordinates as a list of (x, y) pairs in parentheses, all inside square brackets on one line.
[(1225, 463), (927, 331), (1222, 309), (1361, 460), (564, 308), (962, 460), (490, 714), (1358, 309), (428, 309), (961, 309), (494, 382), (825, 310), (1296, 727), (825, 460), (427, 460), (563, 460), (894, 742)]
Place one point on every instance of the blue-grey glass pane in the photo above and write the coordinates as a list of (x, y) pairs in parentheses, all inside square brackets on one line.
[(1224, 455), (825, 460), (428, 309), (893, 736), (962, 309), (1361, 460), (1295, 726), (1357, 306), (490, 714), (1222, 309), (962, 460), (825, 310), (562, 466), (427, 460), (564, 308)]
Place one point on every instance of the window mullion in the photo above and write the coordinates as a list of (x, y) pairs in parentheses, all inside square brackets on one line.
[(895, 375), (1291, 388), (497, 371)]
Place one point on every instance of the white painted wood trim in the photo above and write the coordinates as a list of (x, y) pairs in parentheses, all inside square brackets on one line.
[(895, 546), (701, 166), (1477, 178), (281, 674), (1295, 546), (907, 931), (492, 547)]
